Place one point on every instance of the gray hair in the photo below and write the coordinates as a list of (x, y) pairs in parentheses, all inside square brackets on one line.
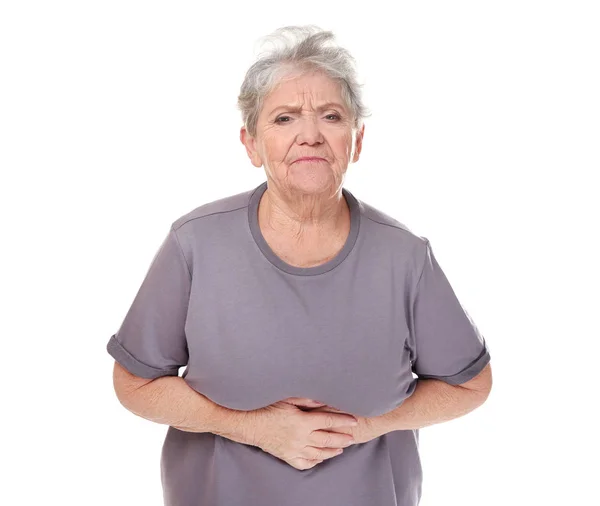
[(304, 49)]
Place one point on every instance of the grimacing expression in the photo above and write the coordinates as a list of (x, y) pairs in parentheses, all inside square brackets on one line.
[(305, 116)]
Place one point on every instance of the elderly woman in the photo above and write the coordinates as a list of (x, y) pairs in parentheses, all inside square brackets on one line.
[(300, 313)]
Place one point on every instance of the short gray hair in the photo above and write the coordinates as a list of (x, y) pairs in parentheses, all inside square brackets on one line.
[(304, 49)]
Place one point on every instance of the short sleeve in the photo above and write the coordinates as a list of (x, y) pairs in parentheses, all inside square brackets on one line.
[(151, 340), (445, 342)]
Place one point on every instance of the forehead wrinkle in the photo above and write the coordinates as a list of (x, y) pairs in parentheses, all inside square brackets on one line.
[(294, 107)]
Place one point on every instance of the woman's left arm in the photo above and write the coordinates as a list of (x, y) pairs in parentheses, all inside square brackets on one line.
[(434, 401), (442, 339)]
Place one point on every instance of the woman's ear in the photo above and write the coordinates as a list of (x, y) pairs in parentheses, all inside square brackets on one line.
[(250, 143), (359, 140)]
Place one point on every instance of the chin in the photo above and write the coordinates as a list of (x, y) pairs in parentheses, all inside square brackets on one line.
[(315, 183)]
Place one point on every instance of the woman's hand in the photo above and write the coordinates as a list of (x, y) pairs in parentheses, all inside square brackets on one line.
[(362, 433), (301, 439)]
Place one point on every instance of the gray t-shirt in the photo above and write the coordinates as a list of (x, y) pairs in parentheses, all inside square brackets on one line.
[(253, 330)]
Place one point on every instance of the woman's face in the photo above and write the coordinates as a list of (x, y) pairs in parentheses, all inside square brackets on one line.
[(305, 116)]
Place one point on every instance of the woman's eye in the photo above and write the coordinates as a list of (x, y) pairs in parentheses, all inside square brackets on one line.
[(335, 117)]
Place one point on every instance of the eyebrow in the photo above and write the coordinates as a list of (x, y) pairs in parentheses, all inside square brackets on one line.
[(297, 108)]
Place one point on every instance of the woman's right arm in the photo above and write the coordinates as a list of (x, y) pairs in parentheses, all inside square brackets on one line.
[(171, 401)]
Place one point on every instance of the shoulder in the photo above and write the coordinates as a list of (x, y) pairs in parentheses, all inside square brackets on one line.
[(390, 228), (211, 211), (391, 240)]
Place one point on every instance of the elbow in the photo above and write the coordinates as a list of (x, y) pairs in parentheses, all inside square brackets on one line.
[(125, 384), (481, 385), (485, 388)]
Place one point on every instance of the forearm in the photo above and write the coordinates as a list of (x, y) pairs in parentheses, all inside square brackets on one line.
[(171, 401), (433, 401)]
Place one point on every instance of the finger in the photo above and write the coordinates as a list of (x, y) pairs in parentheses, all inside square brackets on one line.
[(302, 401), (326, 408), (329, 409), (323, 453), (331, 439), (331, 422), (312, 402)]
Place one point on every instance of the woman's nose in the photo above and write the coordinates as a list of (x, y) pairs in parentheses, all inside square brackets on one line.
[(310, 132)]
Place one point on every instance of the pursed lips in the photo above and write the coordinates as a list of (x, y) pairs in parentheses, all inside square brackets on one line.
[(310, 159)]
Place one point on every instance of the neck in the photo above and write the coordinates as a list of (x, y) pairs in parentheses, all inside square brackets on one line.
[(304, 216)]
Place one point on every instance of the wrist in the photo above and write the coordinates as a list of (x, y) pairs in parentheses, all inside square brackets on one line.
[(234, 424), (382, 424)]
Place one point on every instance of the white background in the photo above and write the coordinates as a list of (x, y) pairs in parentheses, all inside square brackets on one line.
[(117, 117)]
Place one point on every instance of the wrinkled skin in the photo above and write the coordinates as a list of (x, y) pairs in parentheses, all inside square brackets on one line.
[(362, 433)]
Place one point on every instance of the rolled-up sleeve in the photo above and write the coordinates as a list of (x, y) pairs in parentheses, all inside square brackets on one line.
[(151, 340), (444, 341)]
